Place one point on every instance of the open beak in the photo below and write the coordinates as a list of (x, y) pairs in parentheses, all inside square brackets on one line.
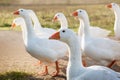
[(55, 36), (54, 19), (16, 12), (75, 14), (109, 6), (13, 25)]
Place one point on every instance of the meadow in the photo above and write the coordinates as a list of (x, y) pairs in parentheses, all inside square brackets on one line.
[(99, 16)]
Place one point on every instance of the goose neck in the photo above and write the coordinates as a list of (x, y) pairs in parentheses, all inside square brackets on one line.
[(85, 26), (117, 13), (75, 61), (36, 22), (29, 29), (23, 27), (75, 53), (64, 23), (80, 29), (116, 10)]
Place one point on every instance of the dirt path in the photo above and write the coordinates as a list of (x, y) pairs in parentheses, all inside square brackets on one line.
[(12, 52), (13, 57)]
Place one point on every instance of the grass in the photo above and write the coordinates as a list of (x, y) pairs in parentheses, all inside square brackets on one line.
[(7, 2), (99, 16), (15, 76)]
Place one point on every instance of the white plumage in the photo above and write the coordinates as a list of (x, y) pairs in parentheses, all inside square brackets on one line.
[(116, 9), (75, 69), (102, 50), (41, 48)]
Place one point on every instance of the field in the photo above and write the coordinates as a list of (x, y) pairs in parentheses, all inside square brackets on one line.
[(19, 65), (99, 15)]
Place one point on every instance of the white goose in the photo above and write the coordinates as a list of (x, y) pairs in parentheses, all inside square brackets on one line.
[(94, 31), (19, 21), (42, 49), (63, 21), (116, 9), (75, 69), (103, 50), (46, 32)]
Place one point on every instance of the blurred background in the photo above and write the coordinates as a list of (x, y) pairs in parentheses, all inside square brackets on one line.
[(46, 9), (34, 2), (15, 62)]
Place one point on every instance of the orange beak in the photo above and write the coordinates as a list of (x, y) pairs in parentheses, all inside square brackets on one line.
[(75, 14), (109, 6), (16, 13), (13, 25), (54, 19), (55, 36)]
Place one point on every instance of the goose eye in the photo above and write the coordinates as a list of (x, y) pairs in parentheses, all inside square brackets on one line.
[(22, 10), (58, 15), (63, 31), (80, 11), (113, 4)]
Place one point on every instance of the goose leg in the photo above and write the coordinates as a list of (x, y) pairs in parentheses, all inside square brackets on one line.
[(57, 69), (45, 72), (84, 63), (110, 65)]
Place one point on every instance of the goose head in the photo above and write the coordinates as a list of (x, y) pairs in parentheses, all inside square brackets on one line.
[(59, 16), (80, 13), (17, 22), (113, 6), (21, 12), (64, 35)]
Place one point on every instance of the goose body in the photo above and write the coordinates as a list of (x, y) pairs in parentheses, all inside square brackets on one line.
[(116, 9), (75, 69), (102, 50), (94, 31), (98, 32), (42, 49)]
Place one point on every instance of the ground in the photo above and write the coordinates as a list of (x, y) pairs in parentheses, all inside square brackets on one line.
[(15, 59)]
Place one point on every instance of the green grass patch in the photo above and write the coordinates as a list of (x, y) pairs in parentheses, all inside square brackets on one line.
[(15, 76)]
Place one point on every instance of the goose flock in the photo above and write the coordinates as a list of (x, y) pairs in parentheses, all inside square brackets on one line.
[(49, 45)]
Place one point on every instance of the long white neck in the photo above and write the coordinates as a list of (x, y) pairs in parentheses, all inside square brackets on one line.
[(80, 30), (37, 25), (64, 23), (75, 61), (28, 31), (117, 13), (117, 21), (85, 25), (23, 27)]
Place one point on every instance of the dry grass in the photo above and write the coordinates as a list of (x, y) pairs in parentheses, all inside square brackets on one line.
[(99, 15), (57, 1)]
